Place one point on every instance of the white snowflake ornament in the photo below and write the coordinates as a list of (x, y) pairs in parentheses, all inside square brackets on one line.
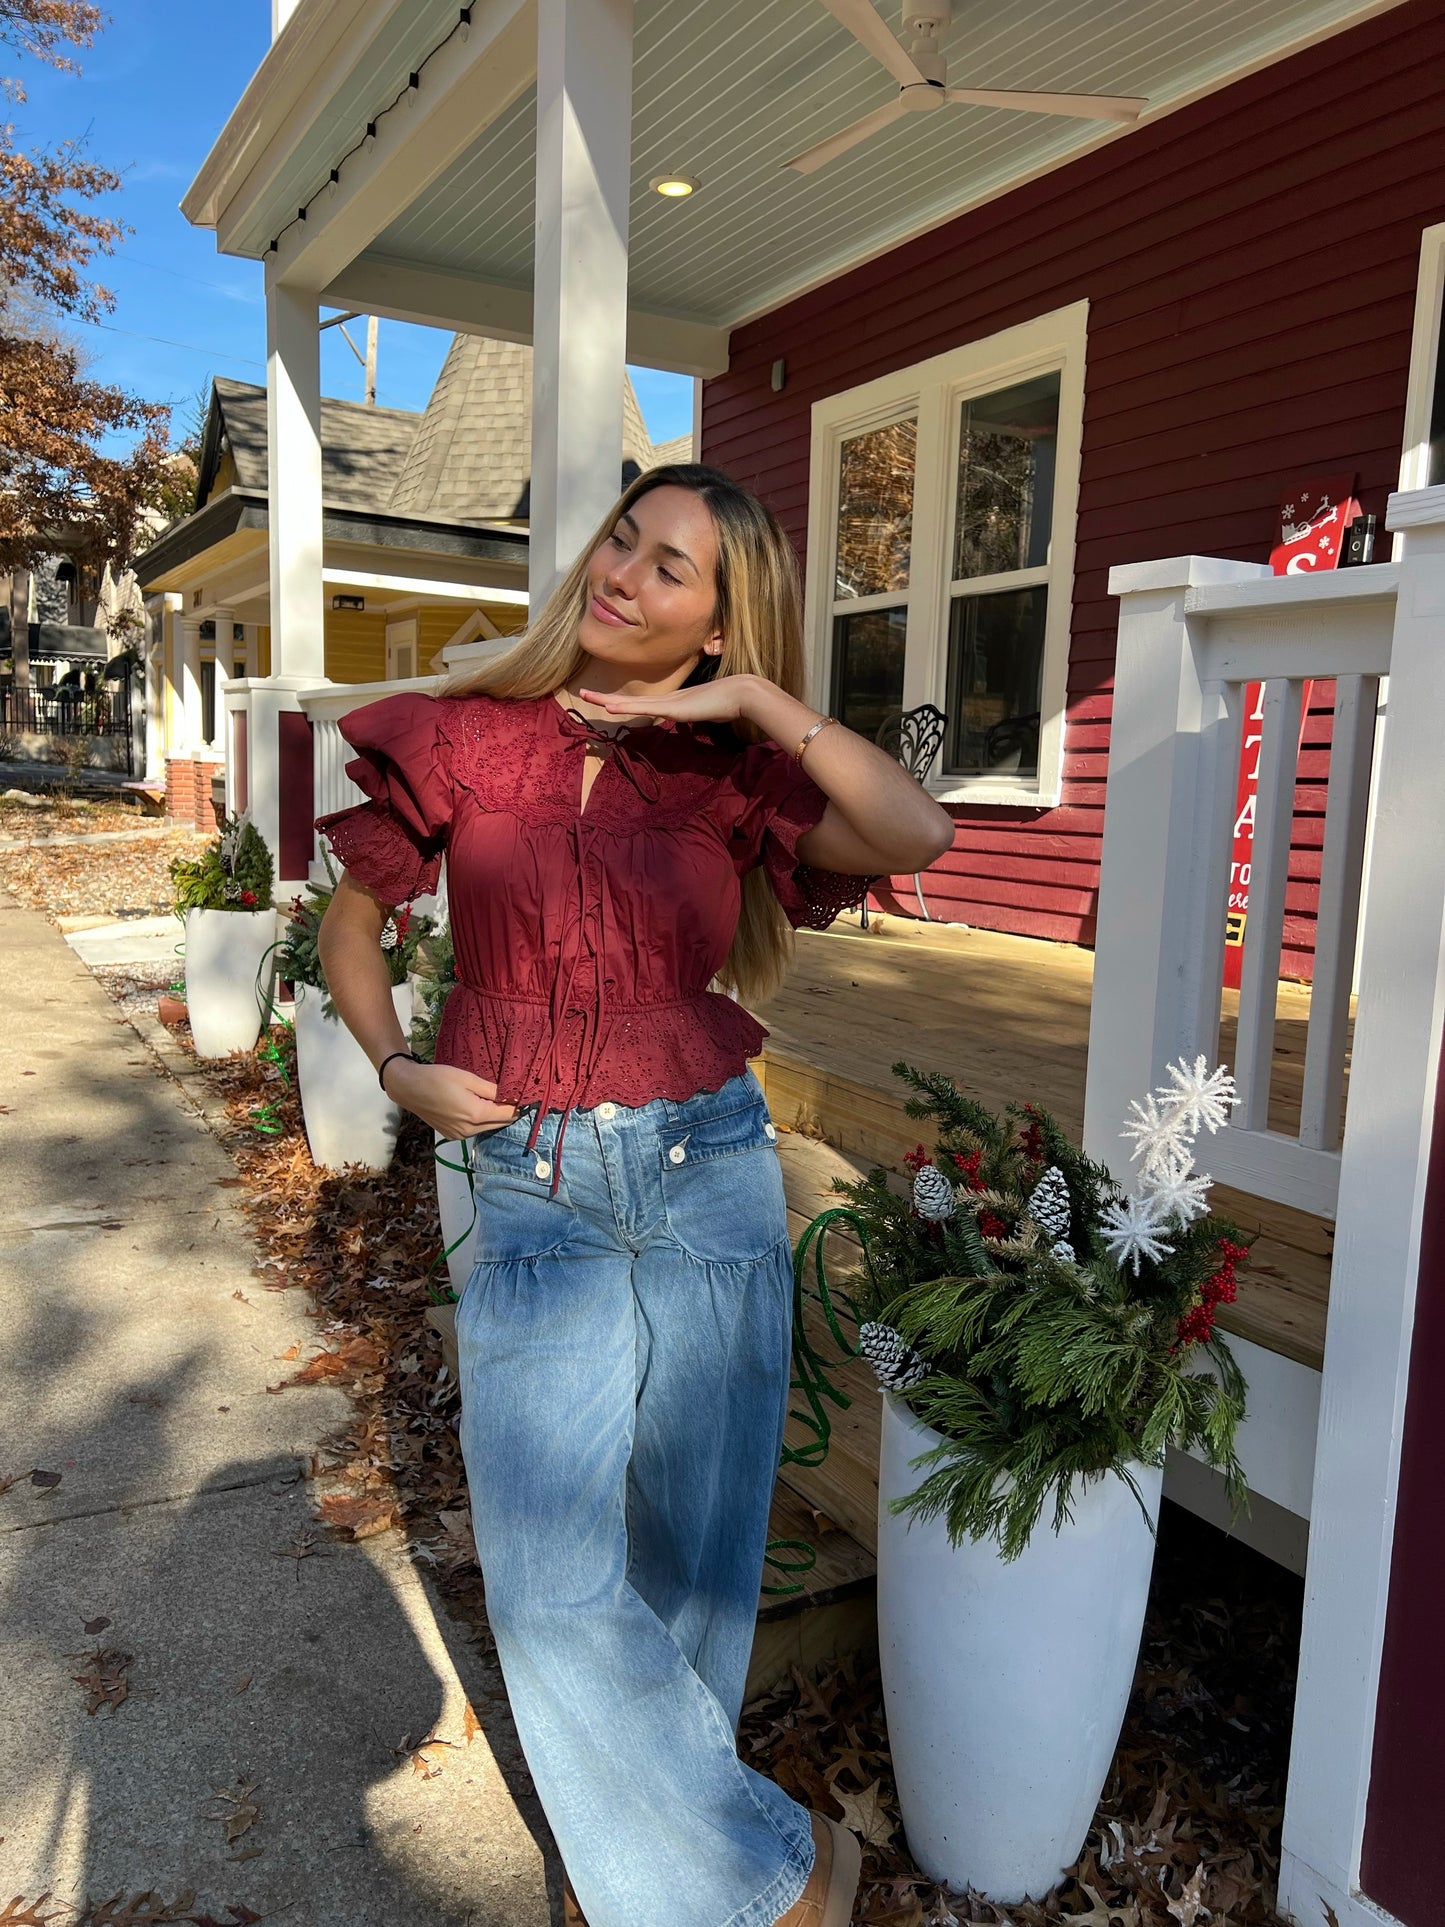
[(1179, 1190), (1134, 1230), (1159, 1134), (1201, 1098)]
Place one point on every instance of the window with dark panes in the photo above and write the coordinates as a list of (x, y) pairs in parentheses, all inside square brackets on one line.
[(1003, 516), (208, 701), (871, 574)]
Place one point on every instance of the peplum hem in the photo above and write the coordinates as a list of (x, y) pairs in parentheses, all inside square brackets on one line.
[(670, 1049)]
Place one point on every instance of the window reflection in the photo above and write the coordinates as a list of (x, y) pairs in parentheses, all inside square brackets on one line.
[(1006, 455), (875, 511), (995, 664), (868, 669)]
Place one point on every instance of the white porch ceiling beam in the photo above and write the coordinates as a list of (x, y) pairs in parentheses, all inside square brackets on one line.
[(465, 87), (438, 299), (425, 587), (584, 166)]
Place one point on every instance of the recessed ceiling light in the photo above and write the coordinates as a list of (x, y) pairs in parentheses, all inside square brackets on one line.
[(674, 187)]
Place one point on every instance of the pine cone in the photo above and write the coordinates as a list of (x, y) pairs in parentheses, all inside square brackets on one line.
[(1063, 1250), (932, 1193), (1050, 1206), (895, 1363)]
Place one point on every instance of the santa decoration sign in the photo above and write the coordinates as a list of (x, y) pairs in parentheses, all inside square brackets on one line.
[(1314, 518)]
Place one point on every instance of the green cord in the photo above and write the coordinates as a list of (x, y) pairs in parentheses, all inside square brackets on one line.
[(447, 1296), (810, 1375)]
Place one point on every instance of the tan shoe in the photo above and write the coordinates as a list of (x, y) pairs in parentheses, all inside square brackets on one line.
[(572, 1914), (827, 1900)]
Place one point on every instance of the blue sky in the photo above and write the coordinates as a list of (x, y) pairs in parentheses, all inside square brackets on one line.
[(153, 93)]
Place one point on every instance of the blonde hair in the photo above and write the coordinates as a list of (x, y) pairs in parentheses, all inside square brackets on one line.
[(759, 612)]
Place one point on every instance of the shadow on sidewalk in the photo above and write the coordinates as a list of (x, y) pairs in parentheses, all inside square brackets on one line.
[(273, 1692)]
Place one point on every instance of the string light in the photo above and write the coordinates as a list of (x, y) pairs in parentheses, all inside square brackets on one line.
[(461, 29)]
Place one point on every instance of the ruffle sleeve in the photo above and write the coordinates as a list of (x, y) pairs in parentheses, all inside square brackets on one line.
[(772, 802), (393, 843)]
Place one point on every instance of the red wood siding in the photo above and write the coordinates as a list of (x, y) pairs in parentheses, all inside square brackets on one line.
[(1250, 264), (1400, 1868)]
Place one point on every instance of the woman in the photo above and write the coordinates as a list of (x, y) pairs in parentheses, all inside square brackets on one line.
[(634, 802)]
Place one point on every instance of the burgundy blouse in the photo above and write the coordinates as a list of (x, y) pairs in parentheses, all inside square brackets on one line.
[(585, 940)]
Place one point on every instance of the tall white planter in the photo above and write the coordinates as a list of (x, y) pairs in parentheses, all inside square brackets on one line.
[(349, 1117), (456, 1209), (1006, 1684), (224, 956)]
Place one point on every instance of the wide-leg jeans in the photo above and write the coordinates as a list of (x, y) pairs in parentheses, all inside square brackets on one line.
[(624, 1349)]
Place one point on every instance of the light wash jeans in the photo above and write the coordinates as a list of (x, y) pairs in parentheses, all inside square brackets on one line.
[(624, 1355)]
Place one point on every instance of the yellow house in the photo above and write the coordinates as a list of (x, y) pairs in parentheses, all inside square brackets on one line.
[(424, 527)]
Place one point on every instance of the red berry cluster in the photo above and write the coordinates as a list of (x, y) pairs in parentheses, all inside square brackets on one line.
[(1197, 1324), (916, 1159), (248, 898), (402, 919), (1031, 1139), (971, 1163)]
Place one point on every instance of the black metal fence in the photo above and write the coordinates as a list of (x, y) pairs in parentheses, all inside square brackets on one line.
[(70, 712)]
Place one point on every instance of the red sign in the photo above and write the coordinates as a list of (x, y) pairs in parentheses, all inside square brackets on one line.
[(1313, 519)]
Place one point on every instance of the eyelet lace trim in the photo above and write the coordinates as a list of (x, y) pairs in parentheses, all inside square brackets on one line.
[(372, 846), (536, 776)]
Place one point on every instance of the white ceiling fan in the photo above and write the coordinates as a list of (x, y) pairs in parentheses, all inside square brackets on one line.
[(922, 76)]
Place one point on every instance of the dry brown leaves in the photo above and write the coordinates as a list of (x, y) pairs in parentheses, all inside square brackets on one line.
[(104, 1677), (98, 879), (59, 815)]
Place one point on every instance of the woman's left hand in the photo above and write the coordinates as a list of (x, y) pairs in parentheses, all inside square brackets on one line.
[(724, 699)]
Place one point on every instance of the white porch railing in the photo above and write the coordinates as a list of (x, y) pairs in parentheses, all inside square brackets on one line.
[(1193, 632), (332, 788)]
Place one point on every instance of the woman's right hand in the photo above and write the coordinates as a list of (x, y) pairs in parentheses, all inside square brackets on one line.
[(452, 1101)]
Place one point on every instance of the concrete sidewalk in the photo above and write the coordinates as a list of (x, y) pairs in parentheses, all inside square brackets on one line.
[(138, 1351)]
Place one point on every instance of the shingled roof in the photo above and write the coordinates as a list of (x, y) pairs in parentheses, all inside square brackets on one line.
[(362, 448), (464, 458), (472, 453)]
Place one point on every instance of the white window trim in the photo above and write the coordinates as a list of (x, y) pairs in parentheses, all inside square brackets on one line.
[(932, 390), (1424, 354)]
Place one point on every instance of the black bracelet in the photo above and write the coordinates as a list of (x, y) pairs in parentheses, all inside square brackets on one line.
[(381, 1067)]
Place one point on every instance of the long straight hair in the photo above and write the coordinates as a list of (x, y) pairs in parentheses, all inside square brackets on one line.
[(760, 615)]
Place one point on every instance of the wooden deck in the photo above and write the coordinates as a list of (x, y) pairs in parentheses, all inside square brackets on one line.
[(1007, 1018)]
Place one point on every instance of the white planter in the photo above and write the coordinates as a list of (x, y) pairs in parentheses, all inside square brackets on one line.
[(349, 1117), (456, 1209), (1006, 1685), (225, 950)]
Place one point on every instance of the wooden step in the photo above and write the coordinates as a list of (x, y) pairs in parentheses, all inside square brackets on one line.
[(834, 1613)]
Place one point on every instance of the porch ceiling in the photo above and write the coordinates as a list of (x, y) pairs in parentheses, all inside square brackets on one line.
[(728, 93)]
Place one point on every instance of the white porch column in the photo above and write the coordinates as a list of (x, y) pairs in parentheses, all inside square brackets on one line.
[(155, 688), (579, 333), (222, 650), (293, 479), (189, 660)]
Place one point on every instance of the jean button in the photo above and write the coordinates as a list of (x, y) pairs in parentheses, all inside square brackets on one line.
[(607, 1110), (542, 1168), (770, 1130), (676, 1154)]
